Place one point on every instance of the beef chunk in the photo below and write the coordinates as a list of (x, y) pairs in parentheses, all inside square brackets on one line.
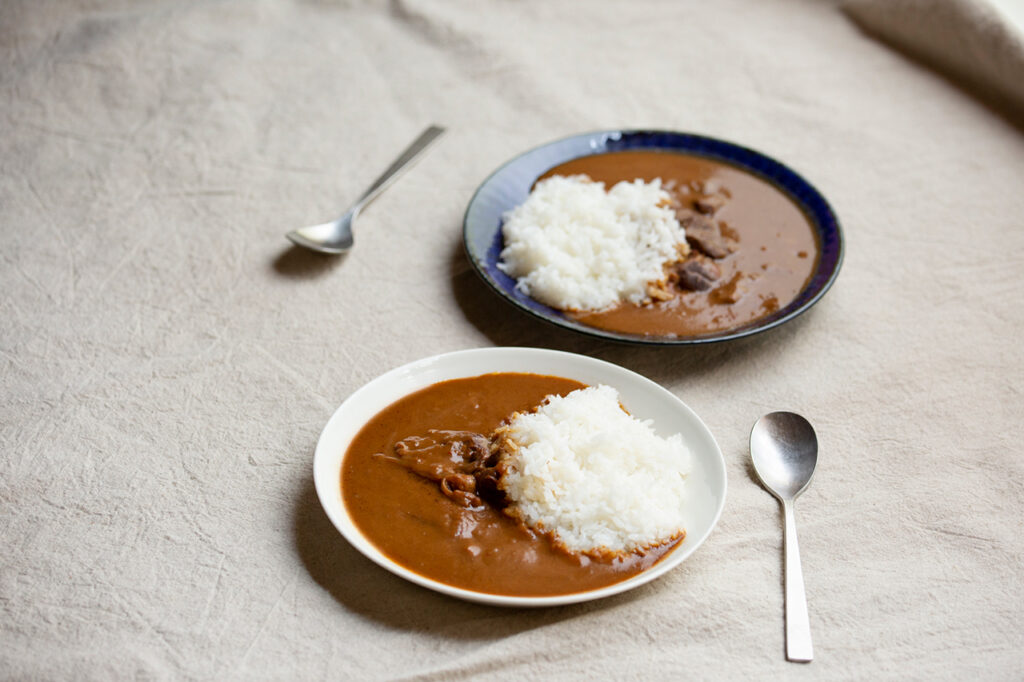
[(704, 234), (709, 204), (697, 274)]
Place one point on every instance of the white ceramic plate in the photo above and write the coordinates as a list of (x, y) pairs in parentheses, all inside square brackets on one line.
[(642, 397)]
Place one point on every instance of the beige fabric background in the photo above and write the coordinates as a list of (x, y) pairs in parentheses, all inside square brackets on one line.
[(167, 361)]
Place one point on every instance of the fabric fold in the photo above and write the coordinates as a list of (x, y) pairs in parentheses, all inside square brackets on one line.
[(979, 43)]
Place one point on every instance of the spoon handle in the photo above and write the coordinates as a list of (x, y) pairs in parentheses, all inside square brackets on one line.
[(391, 174), (798, 626)]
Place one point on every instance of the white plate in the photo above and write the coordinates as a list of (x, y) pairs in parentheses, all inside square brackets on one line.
[(642, 397)]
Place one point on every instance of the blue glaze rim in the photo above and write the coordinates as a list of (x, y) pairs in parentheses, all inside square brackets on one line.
[(509, 185)]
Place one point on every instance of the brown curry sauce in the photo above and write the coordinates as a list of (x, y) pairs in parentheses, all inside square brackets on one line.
[(408, 518), (774, 250)]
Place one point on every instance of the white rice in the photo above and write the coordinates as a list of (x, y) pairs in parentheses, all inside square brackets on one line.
[(573, 246), (598, 479)]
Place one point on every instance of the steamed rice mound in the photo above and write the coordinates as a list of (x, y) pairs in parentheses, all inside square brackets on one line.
[(572, 245), (598, 480)]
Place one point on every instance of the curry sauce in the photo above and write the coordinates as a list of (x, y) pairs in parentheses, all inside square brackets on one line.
[(412, 521)]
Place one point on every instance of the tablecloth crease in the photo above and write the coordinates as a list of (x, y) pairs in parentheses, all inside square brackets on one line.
[(978, 42), (167, 360)]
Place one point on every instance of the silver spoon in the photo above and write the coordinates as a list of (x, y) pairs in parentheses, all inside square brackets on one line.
[(336, 236), (784, 450)]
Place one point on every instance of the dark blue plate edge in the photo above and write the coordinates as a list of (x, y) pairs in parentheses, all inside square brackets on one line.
[(821, 214)]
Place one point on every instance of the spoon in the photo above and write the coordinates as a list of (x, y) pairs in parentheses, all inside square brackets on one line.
[(336, 236), (784, 450)]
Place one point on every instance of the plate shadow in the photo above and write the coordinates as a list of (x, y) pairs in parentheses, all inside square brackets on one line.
[(506, 325)]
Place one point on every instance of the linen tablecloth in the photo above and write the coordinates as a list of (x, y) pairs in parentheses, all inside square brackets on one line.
[(168, 361)]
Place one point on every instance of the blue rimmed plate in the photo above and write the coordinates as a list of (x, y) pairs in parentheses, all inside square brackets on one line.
[(509, 186)]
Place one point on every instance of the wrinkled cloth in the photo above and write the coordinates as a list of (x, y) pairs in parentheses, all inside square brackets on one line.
[(979, 43), (167, 360)]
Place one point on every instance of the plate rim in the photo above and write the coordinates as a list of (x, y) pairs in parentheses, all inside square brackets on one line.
[(617, 134), (328, 487)]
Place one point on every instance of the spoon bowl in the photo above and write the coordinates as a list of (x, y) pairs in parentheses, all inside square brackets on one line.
[(784, 449), (334, 237)]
